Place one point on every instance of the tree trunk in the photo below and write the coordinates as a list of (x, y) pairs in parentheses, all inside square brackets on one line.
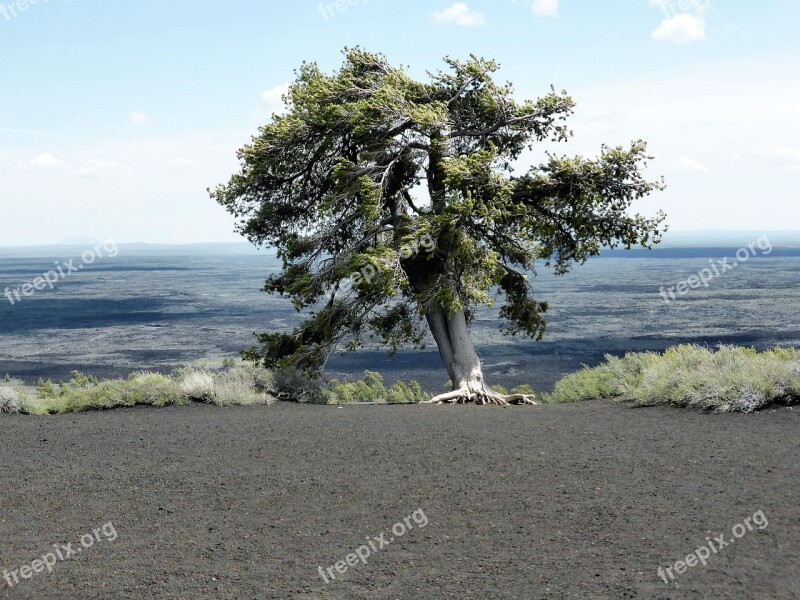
[(462, 363)]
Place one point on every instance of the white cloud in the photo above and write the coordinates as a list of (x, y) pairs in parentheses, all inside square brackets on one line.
[(43, 161), (461, 15), (681, 29), (684, 163), (545, 8), (99, 169), (780, 156), (785, 153), (183, 164), (81, 198), (273, 99), (139, 118)]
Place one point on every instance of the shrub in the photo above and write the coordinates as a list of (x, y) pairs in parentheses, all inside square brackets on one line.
[(525, 390), (368, 389), (402, 393), (151, 389), (46, 389), (371, 388), (79, 380), (298, 385), (230, 363), (586, 384), (243, 385), (730, 379), (238, 384), (140, 389), (235, 384), (10, 401), (198, 385)]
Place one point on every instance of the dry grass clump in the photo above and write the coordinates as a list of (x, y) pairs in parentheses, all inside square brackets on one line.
[(198, 385), (244, 385)]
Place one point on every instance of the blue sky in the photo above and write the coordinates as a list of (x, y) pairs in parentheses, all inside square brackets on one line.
[(118, 114)]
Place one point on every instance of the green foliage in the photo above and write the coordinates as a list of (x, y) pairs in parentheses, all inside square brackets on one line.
[(46, 389), (80, 380), (730, 379), (329, 183), (586, 384), (371, 388), (403, 393), (229, 363), (147, 389), (524, 389)]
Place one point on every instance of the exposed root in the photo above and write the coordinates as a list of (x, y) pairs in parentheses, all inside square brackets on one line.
[(482, 398)]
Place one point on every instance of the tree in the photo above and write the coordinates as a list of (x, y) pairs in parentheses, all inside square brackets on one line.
[(394, 204)]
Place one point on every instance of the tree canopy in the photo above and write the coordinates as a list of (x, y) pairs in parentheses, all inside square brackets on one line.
[(396, 208)]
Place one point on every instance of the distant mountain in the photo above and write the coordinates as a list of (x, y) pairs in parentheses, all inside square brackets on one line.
[(79, 241), (673, 242), (193, 249), (76, 246)]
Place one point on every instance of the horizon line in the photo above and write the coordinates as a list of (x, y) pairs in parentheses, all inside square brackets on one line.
[(90, 240)]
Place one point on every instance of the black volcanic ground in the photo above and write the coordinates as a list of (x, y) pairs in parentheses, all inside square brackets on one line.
[(573, 501)]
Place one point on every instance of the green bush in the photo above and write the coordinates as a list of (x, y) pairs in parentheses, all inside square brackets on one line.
[(81, 380), (371, 388), (586, 384), (730, 379), (525, 390), (402, 392), (140, 389), (151, 389)]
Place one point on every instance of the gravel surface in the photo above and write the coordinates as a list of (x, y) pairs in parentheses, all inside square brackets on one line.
[(574, 501)]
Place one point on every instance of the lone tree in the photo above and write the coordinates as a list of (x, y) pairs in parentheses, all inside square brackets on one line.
[(393, 204)]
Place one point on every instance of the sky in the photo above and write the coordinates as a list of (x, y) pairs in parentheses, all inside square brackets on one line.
[(117, 115)]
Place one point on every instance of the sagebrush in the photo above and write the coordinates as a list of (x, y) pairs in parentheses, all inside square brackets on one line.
[(730, 379)]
